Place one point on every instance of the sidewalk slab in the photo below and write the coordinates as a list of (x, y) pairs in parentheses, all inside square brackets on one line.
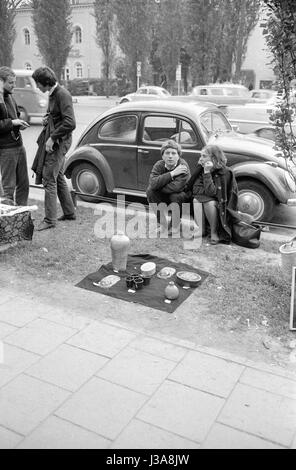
[(102, 407), (21, 311), (25, 402), (140, 435), (182, 410), (40, 336), (158, 348), (6, 330), (269, 383), (16, 361), (208, 374), (137, 370), (224, 437), (102, 339), (56, 433), (8, 439), (263, 414), (67, 367)]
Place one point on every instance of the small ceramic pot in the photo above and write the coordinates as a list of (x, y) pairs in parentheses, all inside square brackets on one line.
[(139, 283), (129, 282), (172, 291)]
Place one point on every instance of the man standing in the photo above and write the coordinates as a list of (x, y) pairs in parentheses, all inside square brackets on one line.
[(13, 159), (54, 142)]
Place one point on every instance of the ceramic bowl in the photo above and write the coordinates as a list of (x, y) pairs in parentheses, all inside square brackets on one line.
[(148, 269)]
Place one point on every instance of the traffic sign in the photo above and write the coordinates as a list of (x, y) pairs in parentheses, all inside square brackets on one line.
[(139, 69), (178, 73)]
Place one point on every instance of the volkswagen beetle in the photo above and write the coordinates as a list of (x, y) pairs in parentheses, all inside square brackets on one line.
[(117, 151)]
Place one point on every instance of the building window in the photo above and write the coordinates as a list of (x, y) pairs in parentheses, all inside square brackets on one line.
[(79, 70), (78, 35), (66, 74), (27, 37), (28, 66)]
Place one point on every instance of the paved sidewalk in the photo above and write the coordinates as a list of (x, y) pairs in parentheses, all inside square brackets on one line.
[(70, 379)]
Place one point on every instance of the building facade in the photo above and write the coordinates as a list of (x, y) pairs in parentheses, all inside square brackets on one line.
[(85, 59)]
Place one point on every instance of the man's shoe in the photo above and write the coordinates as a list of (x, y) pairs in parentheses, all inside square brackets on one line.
[(44, 226), (67, 217)]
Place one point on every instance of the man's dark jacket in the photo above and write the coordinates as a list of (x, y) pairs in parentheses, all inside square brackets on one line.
[(10, 135)]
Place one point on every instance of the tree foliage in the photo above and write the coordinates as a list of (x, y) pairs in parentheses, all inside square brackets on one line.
[(7, 30), (217, 35), (134, 26), (53, 28), (280, 34), (104, 15), (170, 33)]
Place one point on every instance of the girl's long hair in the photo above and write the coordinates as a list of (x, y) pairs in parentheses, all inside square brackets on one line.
[(217, 155)]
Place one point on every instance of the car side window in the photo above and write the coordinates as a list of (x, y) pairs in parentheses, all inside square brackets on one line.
[(152, 92), (123, 128), (142, 91), (214, 122), (159, 128), (162, 128)]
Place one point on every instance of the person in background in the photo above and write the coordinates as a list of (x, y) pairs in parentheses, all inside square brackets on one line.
[(13, 159), (167, 182), (213, 185), (54, 142)]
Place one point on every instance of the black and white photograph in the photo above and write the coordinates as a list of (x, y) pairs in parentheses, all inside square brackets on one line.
[(147, 227)]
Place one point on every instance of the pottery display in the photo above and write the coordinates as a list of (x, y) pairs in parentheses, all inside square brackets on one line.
[(148, 269), (166, 273), (120, 244), (172, 291), (107, 282), (188, 279)]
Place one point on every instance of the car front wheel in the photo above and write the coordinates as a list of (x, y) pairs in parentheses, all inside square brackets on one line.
[(256, 200), (87, 179)]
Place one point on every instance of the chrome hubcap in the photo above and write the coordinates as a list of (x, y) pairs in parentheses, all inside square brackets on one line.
[(87, 182), (251, 203)]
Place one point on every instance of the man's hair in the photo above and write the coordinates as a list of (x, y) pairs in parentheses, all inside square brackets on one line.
[(6, 72), (45, 76), (171, 144), (217, 155)]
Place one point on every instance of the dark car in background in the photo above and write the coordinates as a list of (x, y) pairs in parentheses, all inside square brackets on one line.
[(116, 153)]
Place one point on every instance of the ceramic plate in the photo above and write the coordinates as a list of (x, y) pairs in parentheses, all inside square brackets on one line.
[(166, 273)]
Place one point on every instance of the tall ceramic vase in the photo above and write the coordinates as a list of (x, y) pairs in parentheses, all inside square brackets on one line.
[(120, 244)]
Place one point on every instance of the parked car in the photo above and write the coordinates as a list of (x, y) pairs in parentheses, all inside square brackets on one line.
[(146, 92), (115, 154), (255, 118), (31, 101), (262, 95), (222, 93)]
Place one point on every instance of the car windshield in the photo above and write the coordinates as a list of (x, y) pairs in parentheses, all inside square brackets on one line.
[(214, 122)]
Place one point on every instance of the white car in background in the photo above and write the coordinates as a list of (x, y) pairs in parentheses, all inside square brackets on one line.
[(254, 118), (222, 94), (146, 92), (262, 95)]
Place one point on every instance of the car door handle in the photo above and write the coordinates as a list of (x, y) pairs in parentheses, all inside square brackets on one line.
[(144, 152)]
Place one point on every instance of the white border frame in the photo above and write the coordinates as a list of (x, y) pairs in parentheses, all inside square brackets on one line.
[(293, 301)]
